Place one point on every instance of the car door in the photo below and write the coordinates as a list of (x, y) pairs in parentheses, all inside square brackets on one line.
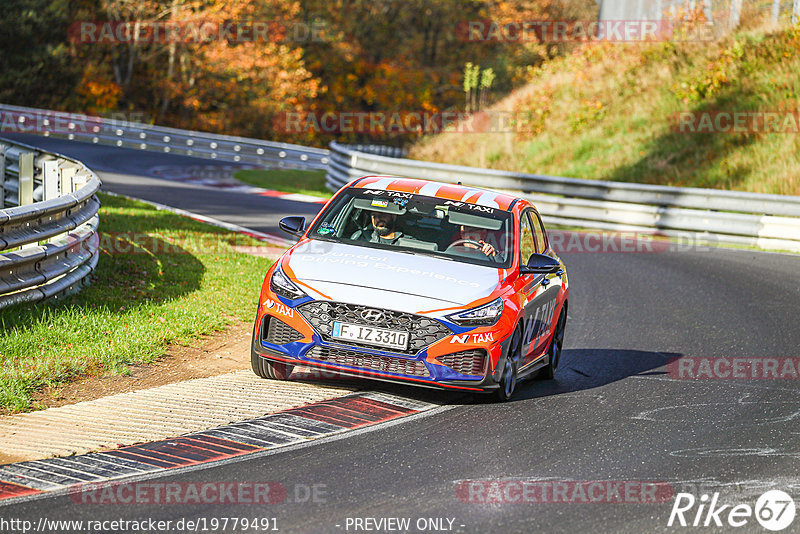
[(540, 291)]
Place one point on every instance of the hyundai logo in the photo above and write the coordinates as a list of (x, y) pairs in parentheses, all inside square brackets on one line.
[(373, 316)]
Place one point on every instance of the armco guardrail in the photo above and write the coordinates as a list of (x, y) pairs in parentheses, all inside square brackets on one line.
[(140, 136), (48, 224), (765, 221)]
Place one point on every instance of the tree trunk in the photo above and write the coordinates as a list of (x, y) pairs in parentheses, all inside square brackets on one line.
[(708, 11), (736, 13), (173, 49)]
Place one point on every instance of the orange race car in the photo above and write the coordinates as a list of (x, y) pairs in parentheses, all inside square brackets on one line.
[(418, 282)]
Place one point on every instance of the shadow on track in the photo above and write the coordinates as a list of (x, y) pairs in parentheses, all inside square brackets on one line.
[(583, 369), (580, 369)]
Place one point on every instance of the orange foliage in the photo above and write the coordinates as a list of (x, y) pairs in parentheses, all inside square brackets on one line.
[(387, 56), (97, 93)]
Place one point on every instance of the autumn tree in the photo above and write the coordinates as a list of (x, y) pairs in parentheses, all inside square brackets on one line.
[(371, 55)]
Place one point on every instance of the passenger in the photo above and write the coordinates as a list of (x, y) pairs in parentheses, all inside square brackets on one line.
[(383, 229)]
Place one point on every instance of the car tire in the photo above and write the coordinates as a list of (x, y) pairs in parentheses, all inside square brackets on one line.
[(268, 369), (548, 372), (508, 381)]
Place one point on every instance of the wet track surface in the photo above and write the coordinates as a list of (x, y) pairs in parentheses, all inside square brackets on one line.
[(613, 413)]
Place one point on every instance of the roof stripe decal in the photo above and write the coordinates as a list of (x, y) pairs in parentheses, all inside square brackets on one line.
[(487, 199), (381, 183), (443, 190), (429, 189)]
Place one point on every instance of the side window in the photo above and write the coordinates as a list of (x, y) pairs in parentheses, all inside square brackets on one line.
[(538, 232), (527, 243)]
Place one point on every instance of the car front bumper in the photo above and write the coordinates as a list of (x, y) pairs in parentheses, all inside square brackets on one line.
[(298, 353)]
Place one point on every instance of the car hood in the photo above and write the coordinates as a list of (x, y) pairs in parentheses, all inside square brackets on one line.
[(362, 275)]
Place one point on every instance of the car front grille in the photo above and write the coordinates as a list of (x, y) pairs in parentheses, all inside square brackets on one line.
[(372, 362), (275, 331), (423, 331), (467, 362)]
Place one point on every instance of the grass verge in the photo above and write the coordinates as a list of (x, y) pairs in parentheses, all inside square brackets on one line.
[(287, 180), (161, 279)]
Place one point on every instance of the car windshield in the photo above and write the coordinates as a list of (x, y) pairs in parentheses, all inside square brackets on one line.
[(420, 224)]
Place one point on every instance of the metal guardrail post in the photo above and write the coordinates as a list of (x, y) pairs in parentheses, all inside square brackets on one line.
[(2, 176), (50, 185), (78, 181), (25, 195), (66, 174), (50, 179)]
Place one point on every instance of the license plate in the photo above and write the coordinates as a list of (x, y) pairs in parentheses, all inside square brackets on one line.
[(374, 336)]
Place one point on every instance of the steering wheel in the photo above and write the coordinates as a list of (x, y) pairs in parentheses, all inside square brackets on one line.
[(462, 242)]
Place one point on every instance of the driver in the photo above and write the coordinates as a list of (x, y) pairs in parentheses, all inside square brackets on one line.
[(474, 238), (383, 229)]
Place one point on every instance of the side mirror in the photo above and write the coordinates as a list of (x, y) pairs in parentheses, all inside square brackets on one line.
[(540, 264), (293, 225)]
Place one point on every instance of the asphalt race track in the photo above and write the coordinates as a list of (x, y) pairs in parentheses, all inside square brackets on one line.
[(129, 172), (613, 414)]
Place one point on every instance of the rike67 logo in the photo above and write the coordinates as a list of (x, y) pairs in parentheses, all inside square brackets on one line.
[(774, 510)]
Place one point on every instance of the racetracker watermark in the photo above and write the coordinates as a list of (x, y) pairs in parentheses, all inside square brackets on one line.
[(608, 242), (148, 524), (61, 123), (172, 493), (120, 243), (581, 31), (762, 368), (401, 122), (561, 241), (197, 31), (737, 122), (563, 491)]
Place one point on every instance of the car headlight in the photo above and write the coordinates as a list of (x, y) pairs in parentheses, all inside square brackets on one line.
[(281, 285), (484, 315)]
